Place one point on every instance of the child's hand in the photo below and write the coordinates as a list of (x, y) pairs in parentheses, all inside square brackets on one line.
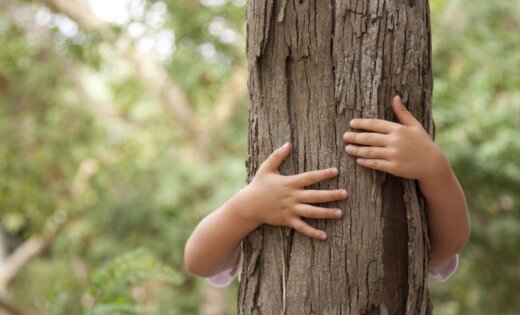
[(281, 200), (402, 150)]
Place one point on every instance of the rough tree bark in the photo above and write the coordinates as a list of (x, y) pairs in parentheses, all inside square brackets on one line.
[(313, 66)]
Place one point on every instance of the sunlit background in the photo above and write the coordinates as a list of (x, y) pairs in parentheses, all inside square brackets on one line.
[(124, 122)]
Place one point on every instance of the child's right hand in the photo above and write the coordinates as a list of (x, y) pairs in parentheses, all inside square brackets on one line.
[(280, 200)]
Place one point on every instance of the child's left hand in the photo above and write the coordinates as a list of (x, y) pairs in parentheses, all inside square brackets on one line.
[(402, 150)]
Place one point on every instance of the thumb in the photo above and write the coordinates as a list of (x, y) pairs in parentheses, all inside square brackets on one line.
[(404, 116), (275, 160)]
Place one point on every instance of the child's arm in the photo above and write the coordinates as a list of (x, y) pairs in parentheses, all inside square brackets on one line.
[(270, 198), (407, 151)]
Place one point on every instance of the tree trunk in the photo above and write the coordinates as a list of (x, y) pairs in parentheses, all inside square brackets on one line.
[(313, 66)]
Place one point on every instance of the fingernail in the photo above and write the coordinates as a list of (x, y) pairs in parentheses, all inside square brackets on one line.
[(338, 213), (335, 171), (353, 122), (344, 193), (323, 236)]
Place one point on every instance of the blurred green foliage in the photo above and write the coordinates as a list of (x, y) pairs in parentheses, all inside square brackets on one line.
[(121, 250), (477, 110)]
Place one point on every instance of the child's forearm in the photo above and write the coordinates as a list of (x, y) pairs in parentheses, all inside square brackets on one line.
[(270, 198), (214, 244), (448, 221)]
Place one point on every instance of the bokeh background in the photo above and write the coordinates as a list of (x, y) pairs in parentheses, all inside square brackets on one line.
[(124, 122)]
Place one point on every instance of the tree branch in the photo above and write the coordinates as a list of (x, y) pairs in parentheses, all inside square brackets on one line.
[(12, 310), (99, 107), (147, 69), (224, 109), (229, 97), (35, 245), (12, 265), (43, 37)]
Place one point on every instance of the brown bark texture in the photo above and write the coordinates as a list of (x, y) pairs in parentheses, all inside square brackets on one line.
[(313, 66)]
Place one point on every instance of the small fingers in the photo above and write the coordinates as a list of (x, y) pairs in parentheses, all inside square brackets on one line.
[(275, 160), (366, 138), (403, 114), (376, 164), (313, 177), (377, 125), (321, 196), (304, 228), (368, 152), (313, 212)]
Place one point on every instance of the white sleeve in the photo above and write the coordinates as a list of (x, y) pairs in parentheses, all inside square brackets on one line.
[(444, 271), (441, 273), (225, 277)]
